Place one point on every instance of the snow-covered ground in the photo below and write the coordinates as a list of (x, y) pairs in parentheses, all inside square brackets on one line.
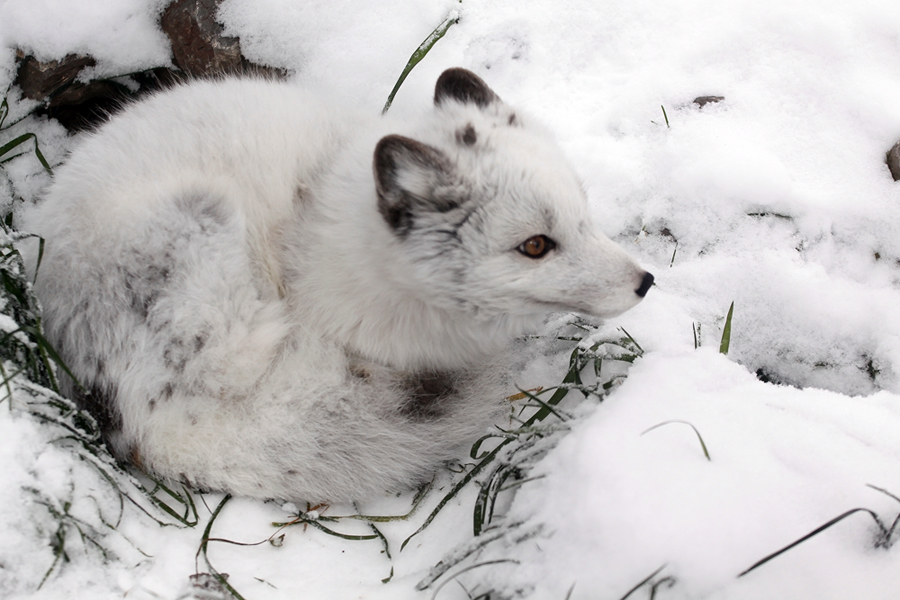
[(776, 198)]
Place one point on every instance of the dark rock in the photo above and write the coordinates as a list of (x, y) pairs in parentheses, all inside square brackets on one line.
[(893, 161), (39, 80), (78, 105), (75, 104), (702, 101), (198, 46), (199, 49)]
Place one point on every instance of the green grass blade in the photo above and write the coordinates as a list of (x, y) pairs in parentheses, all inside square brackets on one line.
[(699, 437), (455, 490), (13, 144), (726, 332), (384, 542), (40, 257), (815, 532), (6, 380), (572, 377), (204, 546), (473, 451), (420, 53), (644, 582), (4, 111), (471, 568), (633, 341), (544, 405), (343, 536)]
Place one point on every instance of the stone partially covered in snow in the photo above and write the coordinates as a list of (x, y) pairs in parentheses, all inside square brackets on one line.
[(893, 161)]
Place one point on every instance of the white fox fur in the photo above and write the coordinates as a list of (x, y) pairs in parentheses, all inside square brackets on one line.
[(251, 306)]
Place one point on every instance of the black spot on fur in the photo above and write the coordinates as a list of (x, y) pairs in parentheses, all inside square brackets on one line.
[(159, 324), (174, 356), (200, 341), (463, 86), (302, 196), (427, 395), (360, 372), (513, 120), (152, 404), (291, 472), (145, 283), (167, 392), (100, 401), (467, 136), (179, 351)]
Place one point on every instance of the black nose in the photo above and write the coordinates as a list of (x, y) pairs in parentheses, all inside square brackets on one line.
[(646, 282)]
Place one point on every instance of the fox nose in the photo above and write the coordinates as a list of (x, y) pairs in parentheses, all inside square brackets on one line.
[(646, 282)]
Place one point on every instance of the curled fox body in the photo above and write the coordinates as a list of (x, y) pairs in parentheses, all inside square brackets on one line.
[(263, 293)]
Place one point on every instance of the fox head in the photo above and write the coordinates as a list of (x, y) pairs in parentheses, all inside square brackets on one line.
[(491, 218)]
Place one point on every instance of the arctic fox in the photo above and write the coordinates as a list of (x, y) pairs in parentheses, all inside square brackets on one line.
[(264, 294)]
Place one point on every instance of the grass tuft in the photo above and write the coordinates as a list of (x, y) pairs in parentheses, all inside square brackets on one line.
[(470, 568), (18, 146), (536, 427)]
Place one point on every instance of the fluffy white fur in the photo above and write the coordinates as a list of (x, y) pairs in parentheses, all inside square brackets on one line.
[(250, 306)]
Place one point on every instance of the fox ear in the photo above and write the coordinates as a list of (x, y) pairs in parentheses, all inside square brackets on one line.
[(463, 86), (407, 174)]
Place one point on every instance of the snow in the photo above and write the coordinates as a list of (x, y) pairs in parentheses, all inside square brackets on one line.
[(776, 198), (123, 36), (782, 462)]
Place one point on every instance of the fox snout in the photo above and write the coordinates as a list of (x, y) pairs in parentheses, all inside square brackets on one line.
[(646, 283)]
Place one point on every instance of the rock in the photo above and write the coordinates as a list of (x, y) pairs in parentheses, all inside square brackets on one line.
[(39, 80), (702, 101), (75, 104), (199, 49), (198, 46), (893, 161), (78, 105)]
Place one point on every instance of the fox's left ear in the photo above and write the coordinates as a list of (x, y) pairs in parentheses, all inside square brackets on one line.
[(463, 86), (407, 174)]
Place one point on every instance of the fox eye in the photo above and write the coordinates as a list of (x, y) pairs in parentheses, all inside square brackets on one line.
[(536, 246)]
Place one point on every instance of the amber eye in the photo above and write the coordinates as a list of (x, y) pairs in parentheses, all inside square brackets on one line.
[(536, 246)]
